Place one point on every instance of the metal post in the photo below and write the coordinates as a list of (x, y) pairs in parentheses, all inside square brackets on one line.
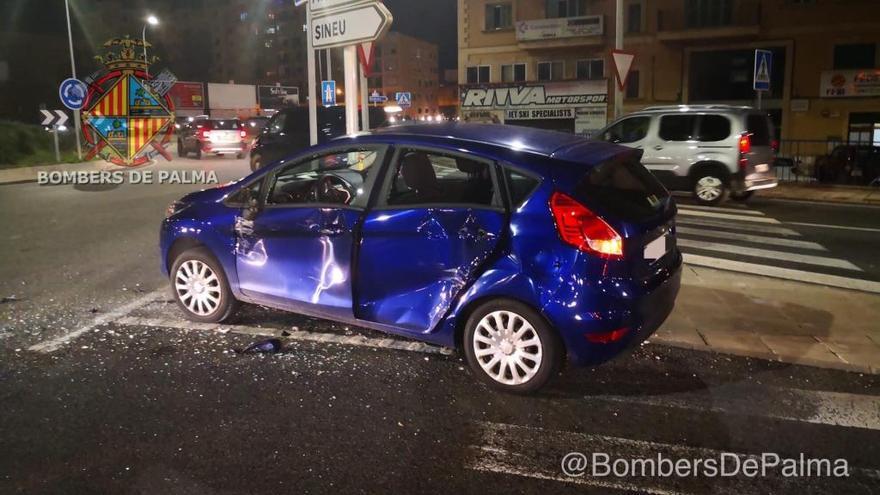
[(329, 64), (55, 137), (310, 62), (618, 44), (76, 124), (144, 39), (349, 65), (365, 102), (760, 97)]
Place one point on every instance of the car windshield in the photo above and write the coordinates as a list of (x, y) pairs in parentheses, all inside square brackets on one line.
[(225, 125)]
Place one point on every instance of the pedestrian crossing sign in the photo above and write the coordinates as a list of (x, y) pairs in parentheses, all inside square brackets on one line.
[(404, 99), (763, 67)]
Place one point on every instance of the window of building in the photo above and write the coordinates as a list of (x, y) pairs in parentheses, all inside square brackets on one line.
[(855, 56), (499, 16), (551, 71), (566, 8), (632, 84), (423, 178), (634, 18), (478, 74), (708, 13), (513, 73), (677, 127), (590, 69)]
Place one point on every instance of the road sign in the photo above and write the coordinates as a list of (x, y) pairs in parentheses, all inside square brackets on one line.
[(763, 68), (622, 64), (404, 99), (73, 93), (367, 55), (375, 97), (350, 26), (328, 93), (319, 6), (54, 118)]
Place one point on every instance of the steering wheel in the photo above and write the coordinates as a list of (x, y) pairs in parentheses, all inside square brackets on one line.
[(331, 188)]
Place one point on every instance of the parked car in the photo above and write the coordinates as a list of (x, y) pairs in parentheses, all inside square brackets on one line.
[(849, 164), (710, 150), (253, 126), (520, 246), (217, 136), (288, 132)]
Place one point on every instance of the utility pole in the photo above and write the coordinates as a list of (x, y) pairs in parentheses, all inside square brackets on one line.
[(349, 65), (310, 62), (76, 117), (365, 101), (618, 45)]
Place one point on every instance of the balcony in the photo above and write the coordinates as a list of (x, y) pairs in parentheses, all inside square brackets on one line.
[(562, 32), (709, 19)]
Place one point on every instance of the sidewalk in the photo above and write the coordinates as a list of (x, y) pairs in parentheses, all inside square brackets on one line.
[(29, 174), (775, 319), (823, 192)]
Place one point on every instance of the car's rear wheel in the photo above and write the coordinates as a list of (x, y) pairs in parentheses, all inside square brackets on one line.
[(741, 196), (709, 189), (200, 287), (181, 151), (511, 347), (198, 152)]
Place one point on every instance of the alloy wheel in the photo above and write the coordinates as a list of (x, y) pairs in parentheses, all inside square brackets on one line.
[(507, 348), (198, 287), (709, 188)]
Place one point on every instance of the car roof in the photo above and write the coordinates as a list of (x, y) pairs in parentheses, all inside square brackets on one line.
[(661, 109)]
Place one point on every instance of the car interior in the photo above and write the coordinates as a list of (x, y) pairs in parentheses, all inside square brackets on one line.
[(425, 178)]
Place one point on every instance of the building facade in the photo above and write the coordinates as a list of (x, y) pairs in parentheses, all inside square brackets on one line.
[(825, 81), (404, 64)]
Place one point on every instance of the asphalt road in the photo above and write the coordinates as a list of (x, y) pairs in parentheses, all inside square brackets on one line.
[(148, 403)]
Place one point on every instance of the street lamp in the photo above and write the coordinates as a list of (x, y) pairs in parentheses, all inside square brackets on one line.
[(151, 21)]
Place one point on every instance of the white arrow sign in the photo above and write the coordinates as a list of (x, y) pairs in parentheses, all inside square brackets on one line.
[(55, 119), (352, 26)]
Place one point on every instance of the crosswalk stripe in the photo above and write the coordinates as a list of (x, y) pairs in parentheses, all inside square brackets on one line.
[(838, 227), (725, 216), (783, 273), (764, 229), (720, 210), (774, 241), (769, 254)]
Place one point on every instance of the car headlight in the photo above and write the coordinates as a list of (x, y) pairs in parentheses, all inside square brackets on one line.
[(175, 207)]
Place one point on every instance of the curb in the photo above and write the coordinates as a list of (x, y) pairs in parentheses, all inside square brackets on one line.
[(24, 175)]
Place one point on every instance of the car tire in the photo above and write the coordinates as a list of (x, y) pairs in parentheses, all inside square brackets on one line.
[(709, 188), (181, 151), (239, 156), (741, 196), (198, 152), (196, 276), (503, 329), (256, 162)]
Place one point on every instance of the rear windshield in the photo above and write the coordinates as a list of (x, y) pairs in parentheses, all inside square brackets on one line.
[(624, 188), (759, 127), (224, 125)]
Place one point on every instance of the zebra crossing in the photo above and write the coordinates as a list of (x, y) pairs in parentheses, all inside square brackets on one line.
[(749, 241)]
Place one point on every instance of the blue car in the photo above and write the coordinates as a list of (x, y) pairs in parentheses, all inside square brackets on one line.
[(523, 247)]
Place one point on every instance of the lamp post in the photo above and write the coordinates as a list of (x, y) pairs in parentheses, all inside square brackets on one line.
[(151, 21), (76, 116)]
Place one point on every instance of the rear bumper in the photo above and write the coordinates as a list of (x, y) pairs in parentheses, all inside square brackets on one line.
[(755, 181), (224, 148), (642, 310)]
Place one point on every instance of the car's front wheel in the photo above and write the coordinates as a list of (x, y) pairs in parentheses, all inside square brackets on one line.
[(256, 162), (511, 347), (200, 287)]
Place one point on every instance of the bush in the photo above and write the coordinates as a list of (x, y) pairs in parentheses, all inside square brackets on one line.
[(25, 144)]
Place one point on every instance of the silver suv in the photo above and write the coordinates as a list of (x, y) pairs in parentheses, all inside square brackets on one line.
[(710, 150)]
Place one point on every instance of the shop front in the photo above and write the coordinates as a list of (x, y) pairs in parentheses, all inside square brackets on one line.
[(578, 107)]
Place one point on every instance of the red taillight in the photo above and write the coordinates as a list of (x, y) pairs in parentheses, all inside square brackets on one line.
[(242, 133), (606, 337), (581, 228), (205, 134), (774, 145), (745, 143)]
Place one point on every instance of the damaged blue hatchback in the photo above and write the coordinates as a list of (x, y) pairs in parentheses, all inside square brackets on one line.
[(519, 246)]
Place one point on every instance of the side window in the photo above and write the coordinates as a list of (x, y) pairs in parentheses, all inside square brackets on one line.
[(276, 125), (422, 177), (714, 128), (340, 178), (628, 130), (519, 186), (677, 127)]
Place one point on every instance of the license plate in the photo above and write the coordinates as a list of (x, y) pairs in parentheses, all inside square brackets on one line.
[(763, 167), (655, 249)]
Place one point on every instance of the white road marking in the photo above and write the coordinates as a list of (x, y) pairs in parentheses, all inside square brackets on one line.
[(298, 335), (839, 227), (53, 345), (535, 452), (724, 216), (783, 273), (769, 254), (719, 210), (774, 241), (763, 229)]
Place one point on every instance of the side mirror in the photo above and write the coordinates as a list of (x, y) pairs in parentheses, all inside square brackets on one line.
[(252, 207)]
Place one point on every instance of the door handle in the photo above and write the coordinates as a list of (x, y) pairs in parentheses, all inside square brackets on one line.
[(658, 147)]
